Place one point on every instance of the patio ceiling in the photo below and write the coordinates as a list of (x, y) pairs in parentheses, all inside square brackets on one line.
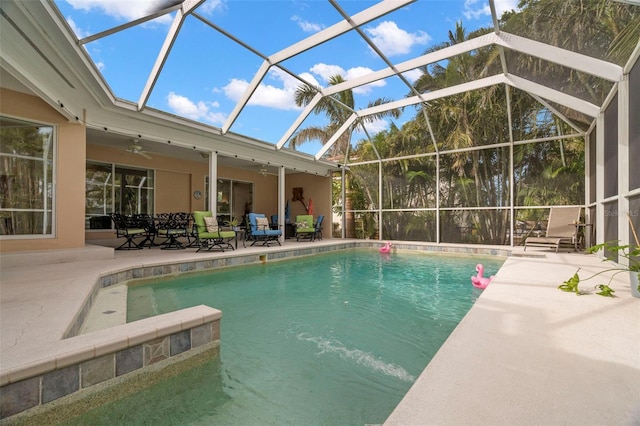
[(196, 31)]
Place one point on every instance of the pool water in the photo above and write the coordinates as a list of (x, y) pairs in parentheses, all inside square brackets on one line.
[(331, 339)]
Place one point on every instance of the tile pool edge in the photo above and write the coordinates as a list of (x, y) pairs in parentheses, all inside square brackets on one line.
[(80, 362), (64, 359), (159, 269), (70, 406)]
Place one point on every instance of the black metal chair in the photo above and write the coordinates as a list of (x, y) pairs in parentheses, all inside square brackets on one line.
[(173, 228), (127, 227), (147, 222)]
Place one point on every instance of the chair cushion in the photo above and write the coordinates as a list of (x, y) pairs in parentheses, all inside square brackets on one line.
[(211, 223), (135, 231), (216, 235), (304, 223), (262, 222)]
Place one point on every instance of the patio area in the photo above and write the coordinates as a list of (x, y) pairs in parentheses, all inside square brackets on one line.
[(526, 353)]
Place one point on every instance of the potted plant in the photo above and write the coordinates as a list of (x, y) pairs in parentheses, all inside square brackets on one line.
[(233, 223), (618, 251), (633, 269)]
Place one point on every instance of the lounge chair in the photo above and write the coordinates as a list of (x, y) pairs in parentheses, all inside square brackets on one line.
[(127, 227), (560, 228), (305, 228), (208, 234), (260, 232)]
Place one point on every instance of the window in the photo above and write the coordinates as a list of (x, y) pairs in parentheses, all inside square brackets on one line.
[(234, 199), (27, 164), (112, 188)]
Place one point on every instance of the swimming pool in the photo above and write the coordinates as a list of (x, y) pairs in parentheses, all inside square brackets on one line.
[(335, 338)]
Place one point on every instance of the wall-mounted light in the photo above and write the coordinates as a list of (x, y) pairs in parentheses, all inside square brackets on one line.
[(263, 170)]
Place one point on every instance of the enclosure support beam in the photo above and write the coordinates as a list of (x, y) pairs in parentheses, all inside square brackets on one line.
[(623, 163)]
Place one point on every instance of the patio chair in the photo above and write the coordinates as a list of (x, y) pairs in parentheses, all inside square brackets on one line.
[(129, 229), (174, 227), (318, 226), (147, 222), (304, 227), (208, 234), (560, 228), (260, 231)]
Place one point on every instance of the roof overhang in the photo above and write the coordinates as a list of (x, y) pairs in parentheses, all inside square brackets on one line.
[(40, 53)]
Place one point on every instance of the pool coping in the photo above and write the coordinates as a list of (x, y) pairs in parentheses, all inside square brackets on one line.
[(67, 358), (114, 302), (527, 353)]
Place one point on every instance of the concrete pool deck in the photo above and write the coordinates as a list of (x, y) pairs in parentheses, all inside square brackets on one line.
[(526, 353)]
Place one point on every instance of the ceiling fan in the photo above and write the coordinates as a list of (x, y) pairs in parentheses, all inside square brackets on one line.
[(134, 148), (264, 170)]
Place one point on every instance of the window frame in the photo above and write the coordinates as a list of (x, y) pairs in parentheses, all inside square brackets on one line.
[(116, 170), (53, 184)]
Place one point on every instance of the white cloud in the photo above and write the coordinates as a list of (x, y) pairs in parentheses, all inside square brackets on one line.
[(376, 126), (392, 40), (326, 71), (210, 6), (123, 10), (367, 88), (505, 5), (306, 26), (279, 95), (200, 111), (79, 32), (277, 90), (475, 9), (235, 89), (310, 78), (412, 75)]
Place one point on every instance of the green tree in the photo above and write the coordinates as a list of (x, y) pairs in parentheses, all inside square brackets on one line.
[(337, 108)]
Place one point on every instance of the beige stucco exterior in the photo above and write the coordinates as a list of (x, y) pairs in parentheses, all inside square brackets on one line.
[(175, 180), (69, 177)]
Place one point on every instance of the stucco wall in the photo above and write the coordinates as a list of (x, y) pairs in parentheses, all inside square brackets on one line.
[(70, 174), (316, 188), (176, 180), (265, 188)]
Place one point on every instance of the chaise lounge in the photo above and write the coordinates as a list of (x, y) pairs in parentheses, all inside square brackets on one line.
[(560, 228)]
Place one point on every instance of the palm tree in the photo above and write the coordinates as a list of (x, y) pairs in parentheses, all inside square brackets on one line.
[(599, 28), (337, 108)]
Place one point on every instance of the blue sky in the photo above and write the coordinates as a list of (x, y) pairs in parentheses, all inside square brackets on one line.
[(206, 72)]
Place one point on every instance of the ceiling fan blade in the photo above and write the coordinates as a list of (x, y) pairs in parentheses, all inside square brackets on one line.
[(144, 154)]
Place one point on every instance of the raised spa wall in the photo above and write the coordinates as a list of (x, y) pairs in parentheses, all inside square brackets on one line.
[(81, 361)]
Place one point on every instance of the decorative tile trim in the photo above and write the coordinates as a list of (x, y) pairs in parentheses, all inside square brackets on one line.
[(37, 383), (271, 254)]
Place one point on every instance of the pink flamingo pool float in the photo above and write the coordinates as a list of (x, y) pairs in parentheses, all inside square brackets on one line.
[(480, 281), (386, 248)]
